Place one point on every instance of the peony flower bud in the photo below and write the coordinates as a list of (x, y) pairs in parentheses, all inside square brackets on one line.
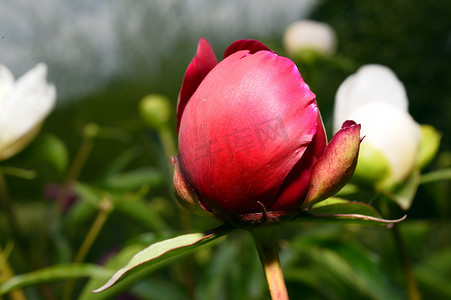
[(303, 37), (376, 98), (23, 106), (252, 143)]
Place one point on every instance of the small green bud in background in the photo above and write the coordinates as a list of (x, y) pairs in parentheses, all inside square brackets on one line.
[(155, 110), (429, 144), (91, 130)]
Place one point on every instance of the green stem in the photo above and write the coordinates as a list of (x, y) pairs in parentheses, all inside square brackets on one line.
[(18, 172), (170, 149), (167, 140), (412, 287), (267, 246), (6, 272), (104, 210), (6, 202), (75, 169)]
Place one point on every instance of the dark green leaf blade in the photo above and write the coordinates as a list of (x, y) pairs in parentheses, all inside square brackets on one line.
[(404, 194), (53, 273)]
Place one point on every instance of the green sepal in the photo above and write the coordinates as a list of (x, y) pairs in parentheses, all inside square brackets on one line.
[(334, 210), (429, 144), (372, 165), (403, 194)]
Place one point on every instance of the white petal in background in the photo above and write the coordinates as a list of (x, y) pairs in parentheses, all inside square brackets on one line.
[(370, 83), (24, 104), (375, 98), (309, 34)]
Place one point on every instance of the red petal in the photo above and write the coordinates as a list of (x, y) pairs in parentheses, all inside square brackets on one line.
[(337, 164), (296, 184), (252, 45), (204, 61), (244, 129), (320, 140)]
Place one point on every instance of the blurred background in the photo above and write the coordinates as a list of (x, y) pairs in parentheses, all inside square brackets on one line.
[(105, 56)]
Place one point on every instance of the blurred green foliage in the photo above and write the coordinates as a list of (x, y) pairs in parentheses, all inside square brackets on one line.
[(128, 166)]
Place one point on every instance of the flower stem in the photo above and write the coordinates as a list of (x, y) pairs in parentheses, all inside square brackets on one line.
[(167, 140), (6, 202), (412, 287), (267, 246), (75, 170), (6, 272), (170, 149), (105, 208)]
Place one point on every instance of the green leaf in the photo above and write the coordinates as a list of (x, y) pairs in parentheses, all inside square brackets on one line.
[(122, 161), (338, 269), (245, 274), (135, 207), (51, 149), (434, 273), (88, 193), (164, 250), (115, 262), (135, 179), (343, 211), (53, 273), (158, 289), (404, 194), (443, 174)]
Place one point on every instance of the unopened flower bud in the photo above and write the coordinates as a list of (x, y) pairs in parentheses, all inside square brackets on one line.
[(252, 143), (155, 110)]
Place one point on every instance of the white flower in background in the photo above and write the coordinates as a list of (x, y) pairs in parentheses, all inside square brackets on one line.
[(375, 98), (309, 35), (23, 106)]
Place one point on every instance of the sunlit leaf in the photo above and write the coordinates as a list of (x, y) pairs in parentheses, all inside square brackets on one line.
[(114, 261), (164, 250)]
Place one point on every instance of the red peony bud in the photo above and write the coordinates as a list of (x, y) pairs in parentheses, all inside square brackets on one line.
[(250, 136)]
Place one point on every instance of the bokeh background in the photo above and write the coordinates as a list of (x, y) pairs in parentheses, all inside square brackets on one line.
[(105, 56)]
